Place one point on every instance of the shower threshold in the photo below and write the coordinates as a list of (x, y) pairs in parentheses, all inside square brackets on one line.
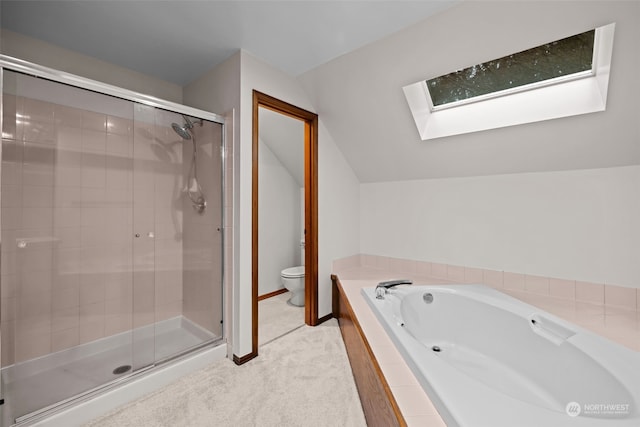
[(34, 387)]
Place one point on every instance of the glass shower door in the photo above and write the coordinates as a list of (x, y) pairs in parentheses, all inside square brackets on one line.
[(67, 246), (202, 234), (143, 234), (111, 263), (178, 218)]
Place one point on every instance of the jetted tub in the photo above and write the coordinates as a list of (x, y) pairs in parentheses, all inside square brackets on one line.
[(487, 359)]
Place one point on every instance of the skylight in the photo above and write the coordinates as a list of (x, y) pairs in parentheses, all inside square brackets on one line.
[(571, 57), (564, 78)]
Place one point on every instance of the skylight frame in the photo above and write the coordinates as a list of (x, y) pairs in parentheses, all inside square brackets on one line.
[(563, 99), (530, 86)]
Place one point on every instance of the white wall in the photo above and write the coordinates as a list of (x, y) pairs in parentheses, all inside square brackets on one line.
[(339, 221), (279, 220), (578, 225), (338, 187), (49, 55), (230, 86)]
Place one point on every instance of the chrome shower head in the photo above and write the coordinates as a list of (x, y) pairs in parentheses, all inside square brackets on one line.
[(183, 130)]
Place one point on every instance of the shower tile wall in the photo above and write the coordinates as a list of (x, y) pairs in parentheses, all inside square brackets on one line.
[(68, 254)]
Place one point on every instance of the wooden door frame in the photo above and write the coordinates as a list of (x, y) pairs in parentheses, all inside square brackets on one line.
[(310, 207)]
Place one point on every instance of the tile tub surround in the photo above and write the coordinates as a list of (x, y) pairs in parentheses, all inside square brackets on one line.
[(572, 293), (615, 321)]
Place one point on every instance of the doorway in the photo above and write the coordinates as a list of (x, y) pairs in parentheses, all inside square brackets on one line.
[(310, 221)]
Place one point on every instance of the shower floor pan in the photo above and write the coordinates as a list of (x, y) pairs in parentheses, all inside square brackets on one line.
[(46, 381)]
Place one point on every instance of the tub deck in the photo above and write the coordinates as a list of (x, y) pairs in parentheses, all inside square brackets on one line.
[(409, 402)]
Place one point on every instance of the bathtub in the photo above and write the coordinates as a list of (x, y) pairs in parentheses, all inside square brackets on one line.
[(487, 359)]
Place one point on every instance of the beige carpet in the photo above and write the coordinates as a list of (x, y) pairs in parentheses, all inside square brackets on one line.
[(300, 379)]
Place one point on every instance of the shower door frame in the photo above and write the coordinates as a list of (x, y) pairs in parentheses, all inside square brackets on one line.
[(10, 63)]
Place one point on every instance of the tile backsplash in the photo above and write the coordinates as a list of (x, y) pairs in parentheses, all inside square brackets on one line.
[(608, 295)]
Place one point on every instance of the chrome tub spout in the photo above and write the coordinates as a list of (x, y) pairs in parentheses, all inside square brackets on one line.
[(382, 288)]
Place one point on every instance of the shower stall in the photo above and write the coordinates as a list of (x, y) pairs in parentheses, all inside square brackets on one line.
[(111, 238)]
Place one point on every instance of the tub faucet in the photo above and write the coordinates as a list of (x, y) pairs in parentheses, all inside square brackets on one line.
[(383, 287)]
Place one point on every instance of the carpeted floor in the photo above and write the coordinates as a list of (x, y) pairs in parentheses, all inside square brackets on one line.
[(300, 379), (277, 317)]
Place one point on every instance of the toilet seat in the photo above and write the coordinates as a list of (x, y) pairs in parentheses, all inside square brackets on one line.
[(293, 272)]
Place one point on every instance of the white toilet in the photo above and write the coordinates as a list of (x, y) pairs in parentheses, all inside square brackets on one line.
[(293, 279)]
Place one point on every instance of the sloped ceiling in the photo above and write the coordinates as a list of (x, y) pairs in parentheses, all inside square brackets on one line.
[(359, 96), (284, 136)]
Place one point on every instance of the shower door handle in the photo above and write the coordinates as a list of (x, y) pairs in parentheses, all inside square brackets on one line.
[(150, 235)]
